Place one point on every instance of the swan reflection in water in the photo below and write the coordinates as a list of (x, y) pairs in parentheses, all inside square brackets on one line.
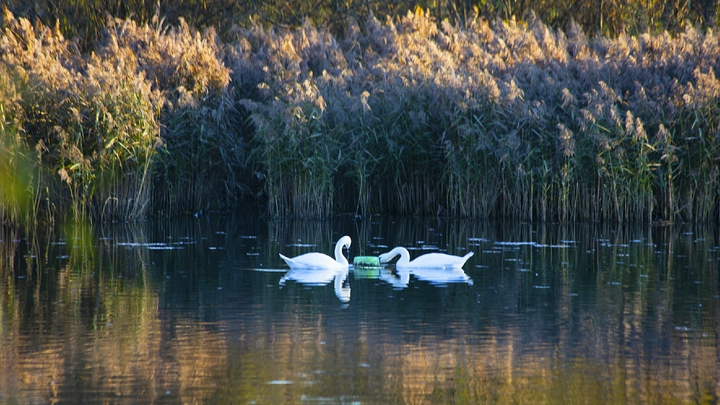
[(441, 277), (320, 277), (397, 280), (438, 277), (438, 269)]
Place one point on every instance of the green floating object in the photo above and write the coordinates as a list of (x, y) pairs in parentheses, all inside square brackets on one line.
[(366, 261)]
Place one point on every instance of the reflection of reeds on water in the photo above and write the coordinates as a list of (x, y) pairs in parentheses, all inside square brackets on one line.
[(79, 304), (95, 313)]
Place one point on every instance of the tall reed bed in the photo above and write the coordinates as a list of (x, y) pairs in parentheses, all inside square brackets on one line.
[(141, 125), (203, 150), (16, 161), (92, 123), (501, 119), (406, 115)]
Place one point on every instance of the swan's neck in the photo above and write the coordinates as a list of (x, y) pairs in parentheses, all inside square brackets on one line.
[(339, 257), (404, 255)]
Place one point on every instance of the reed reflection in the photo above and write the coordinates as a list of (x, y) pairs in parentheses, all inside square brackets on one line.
[(158, 312)]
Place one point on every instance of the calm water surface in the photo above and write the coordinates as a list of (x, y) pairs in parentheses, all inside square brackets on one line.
[(205, 311)]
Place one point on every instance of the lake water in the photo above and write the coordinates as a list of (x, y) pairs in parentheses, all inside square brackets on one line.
[(204, 311)]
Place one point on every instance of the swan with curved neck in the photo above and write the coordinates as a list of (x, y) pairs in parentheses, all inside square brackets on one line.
[(315, 260), (428, 260)]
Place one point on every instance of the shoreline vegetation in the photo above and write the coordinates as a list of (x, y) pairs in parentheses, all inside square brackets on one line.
[(497, 119)]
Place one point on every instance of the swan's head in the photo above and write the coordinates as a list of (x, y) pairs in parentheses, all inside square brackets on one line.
[(387, 256), (344, 242)]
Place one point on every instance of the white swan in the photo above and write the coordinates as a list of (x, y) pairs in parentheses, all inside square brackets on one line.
[(316, 260), (428, 260)]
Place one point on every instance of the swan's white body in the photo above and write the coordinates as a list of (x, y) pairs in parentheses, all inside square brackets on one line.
[(426, 261), (316, 260)]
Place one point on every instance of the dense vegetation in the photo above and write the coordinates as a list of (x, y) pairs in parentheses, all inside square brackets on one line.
[(496, 118), (85, 19)]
